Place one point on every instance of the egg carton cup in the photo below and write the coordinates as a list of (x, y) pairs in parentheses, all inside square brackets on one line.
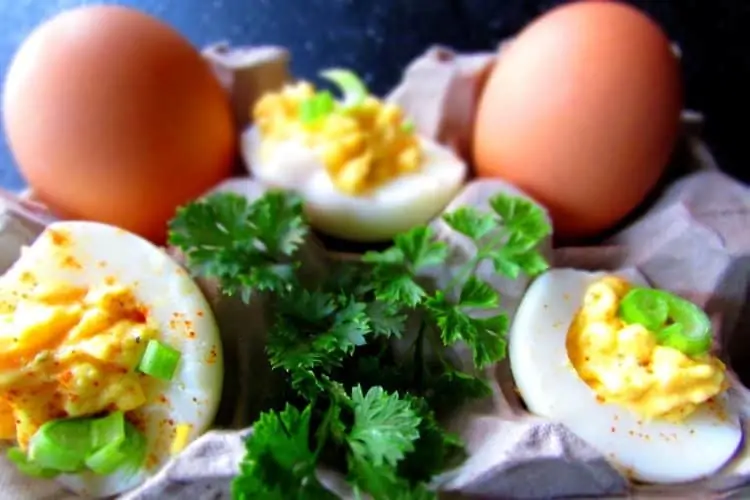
[(692, 238)]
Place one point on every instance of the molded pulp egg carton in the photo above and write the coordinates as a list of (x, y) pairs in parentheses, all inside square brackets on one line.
[(693, 238)]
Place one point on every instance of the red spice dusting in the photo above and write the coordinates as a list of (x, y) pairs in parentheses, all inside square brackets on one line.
[(163, 399), (65, 377), (136, 315), (110, 280), (199, 313), (170, 421), (612, 429), (212, 356), (191, 334), (71, 262), (137, 420), (58, 237)]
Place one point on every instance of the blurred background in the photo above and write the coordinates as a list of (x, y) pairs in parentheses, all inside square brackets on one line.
[(377, 38)]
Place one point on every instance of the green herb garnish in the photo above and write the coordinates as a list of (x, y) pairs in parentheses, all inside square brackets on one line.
[(353, 89), (102, 445), (676, 322), (351, 400), (322, 104)]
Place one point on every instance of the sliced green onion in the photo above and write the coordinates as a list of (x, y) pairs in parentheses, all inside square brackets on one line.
[(690, 332), (61, 445), (19, 458), (352, 88), (159, 360), (644, 307), (102, 445), (134, 449), (316, 107), (107, 459), (684, 327), (408, 126), (108, 430)]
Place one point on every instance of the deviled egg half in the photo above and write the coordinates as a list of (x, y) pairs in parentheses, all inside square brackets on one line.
[(628, 369), (110, 358), (363, 171)]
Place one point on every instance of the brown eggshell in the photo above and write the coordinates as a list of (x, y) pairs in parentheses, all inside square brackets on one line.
[(113, 116), (582, 112)]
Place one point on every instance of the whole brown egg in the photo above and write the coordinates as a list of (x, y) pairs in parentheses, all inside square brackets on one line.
[(114, 116), (582, 112)]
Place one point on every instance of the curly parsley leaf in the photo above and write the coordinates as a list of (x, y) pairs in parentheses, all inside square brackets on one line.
[(436, 449), (395, 269), (484, 336), (386, 319), (312, 333), (477, 293), (509, 236), (385, 426), (279, 463), (521, 216), (383, 482), (452, 389), (471, 222), (245, 246)]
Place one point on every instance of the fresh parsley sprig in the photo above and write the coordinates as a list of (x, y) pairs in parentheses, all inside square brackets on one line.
[(246, 247), (352, 399)]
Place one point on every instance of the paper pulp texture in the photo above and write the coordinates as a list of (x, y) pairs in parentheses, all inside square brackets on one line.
[(693, 239)]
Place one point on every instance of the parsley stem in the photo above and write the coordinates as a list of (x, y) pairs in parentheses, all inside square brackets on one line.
[(437, 347), (419, 356), (323, 430)]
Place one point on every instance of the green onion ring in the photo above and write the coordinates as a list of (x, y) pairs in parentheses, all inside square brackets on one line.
[(676, 322)]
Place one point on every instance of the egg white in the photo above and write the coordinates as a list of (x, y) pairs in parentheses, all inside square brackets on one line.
[(396, 206), (176, 305), (656, 451)]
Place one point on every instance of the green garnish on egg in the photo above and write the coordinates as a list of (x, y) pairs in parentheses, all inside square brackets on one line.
[(101, 445), (676, 322), (353, 93)]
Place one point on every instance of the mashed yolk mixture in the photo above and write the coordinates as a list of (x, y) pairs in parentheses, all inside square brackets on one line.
[(361, 147), (623, 364), (68, 352)]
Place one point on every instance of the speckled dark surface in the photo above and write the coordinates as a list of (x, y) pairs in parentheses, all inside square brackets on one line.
[(378, 37)]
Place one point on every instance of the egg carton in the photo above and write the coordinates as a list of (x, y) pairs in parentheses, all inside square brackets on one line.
[(691, 238)]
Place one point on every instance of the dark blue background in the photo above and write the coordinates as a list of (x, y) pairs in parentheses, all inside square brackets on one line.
[(378, 37)]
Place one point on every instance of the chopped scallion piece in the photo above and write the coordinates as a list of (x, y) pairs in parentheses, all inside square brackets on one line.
[(316, 107), (61, 445), (159, 360), (676, 322), (352, 88), (644, 307), (108, 458), (134, 449), (108, 430), (19, 458), (690, 331), (408, 126)]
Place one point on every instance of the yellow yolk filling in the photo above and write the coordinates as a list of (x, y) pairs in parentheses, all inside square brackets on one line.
[(361, 148), (68, 352), (624, 365)]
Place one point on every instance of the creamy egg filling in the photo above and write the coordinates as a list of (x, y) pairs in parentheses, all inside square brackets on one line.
[(68, 352), (362, 146), (623, 364)]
